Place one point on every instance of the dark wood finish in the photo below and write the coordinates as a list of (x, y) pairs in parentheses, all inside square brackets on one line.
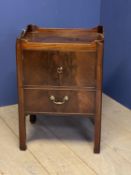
[(22, 123), (38, 100), (42, 68), (60, 73), (98, 98)]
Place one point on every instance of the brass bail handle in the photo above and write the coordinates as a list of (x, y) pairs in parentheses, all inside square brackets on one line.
[(52, 98), (60, 70)]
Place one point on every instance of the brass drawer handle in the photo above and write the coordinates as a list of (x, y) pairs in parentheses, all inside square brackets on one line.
[(52, 98), (60, 70)]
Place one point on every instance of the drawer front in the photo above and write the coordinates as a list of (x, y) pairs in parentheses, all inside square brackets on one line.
[(59, 68), (59, 101)]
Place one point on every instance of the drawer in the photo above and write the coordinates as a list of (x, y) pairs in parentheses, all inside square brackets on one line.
[(57, 68), (59, 101)]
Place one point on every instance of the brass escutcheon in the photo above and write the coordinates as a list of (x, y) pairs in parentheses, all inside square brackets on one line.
[(60, 70)]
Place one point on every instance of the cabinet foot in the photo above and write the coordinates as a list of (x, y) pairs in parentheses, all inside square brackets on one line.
[(23, 147), (32, 119), (96, 150)]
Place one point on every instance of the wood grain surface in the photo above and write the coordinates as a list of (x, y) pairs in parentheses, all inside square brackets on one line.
[(59, 146), (58, 59)]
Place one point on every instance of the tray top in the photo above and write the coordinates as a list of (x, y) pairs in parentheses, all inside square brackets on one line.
[(43, 35)]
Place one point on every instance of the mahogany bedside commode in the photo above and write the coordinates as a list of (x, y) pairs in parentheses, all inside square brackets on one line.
[(60, 73)]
